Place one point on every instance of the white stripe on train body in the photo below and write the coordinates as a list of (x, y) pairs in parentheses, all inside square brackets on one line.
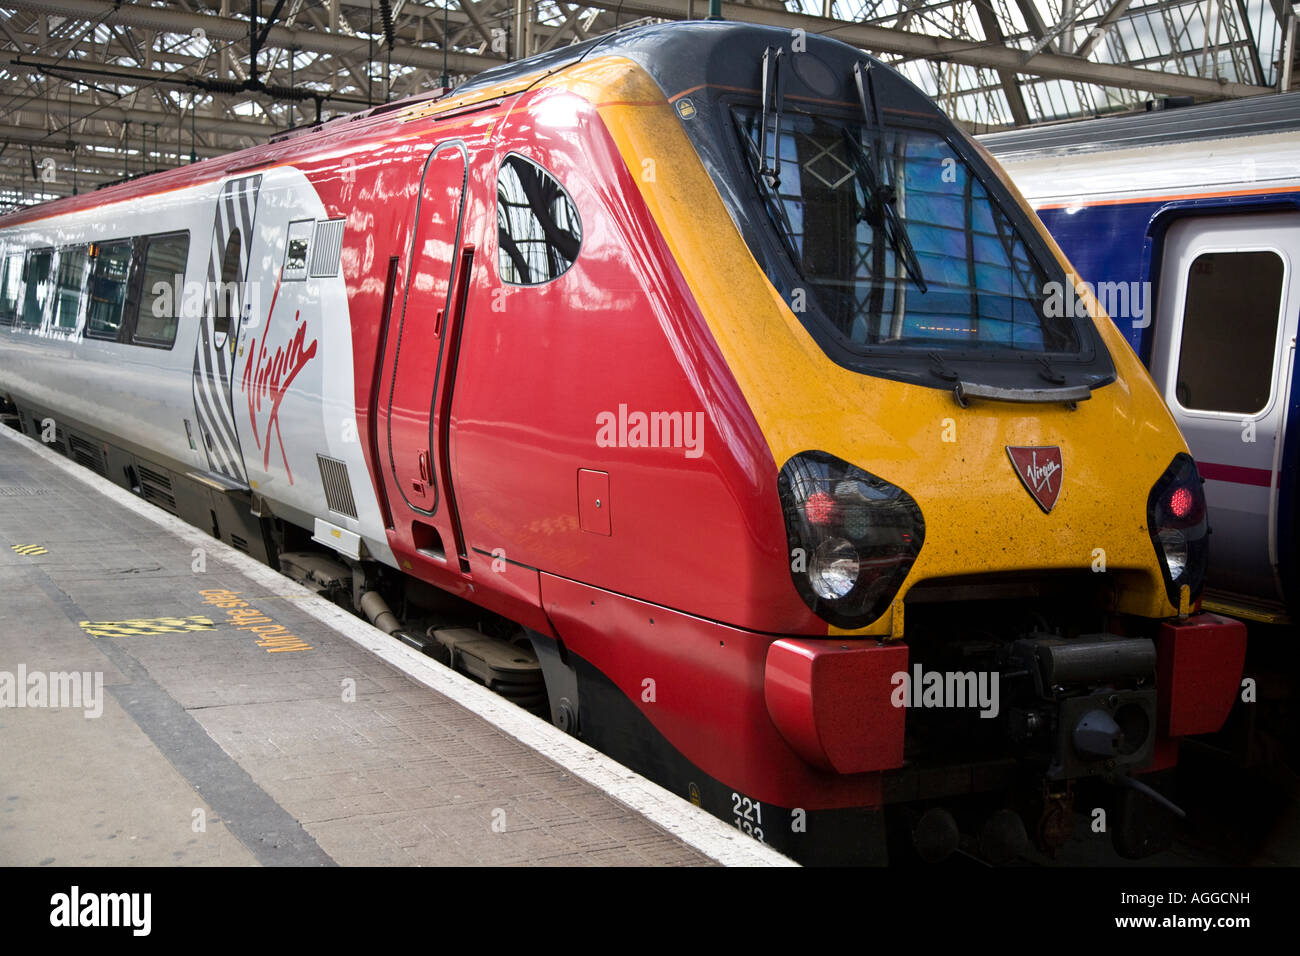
[(160, 402)]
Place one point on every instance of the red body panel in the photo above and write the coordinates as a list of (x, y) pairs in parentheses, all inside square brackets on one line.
[(706, 695), (539, 364)]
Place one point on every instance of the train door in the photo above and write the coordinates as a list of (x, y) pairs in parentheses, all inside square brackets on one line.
[(211, 378), (1223, 356), (420, 367)]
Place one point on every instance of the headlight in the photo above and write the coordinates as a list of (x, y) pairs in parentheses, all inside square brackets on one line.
[(1174, 545), (834, 569), (1177, 522), (853, 537)]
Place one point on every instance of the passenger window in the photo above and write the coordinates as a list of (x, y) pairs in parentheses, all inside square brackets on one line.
[(11, 277), (69, 287), (108, 280), (1230, 323), (36, 286), (538, 230), (162, 289), (227, 304)]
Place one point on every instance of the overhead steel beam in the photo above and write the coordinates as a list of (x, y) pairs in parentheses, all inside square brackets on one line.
[(4, 28), (62, 68), (1102, 27), (1068, 18), (66, 141), (118, 114), (322, 68), (476, 18), (1010, 85), (236, 31), (1034, 21)]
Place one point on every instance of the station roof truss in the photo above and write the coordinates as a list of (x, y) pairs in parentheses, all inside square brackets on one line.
[(93, 91)]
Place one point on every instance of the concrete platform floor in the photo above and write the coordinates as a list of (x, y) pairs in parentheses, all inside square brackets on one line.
[(203, 748)]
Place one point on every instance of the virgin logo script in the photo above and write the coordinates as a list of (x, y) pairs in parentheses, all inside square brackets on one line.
[(267, 376), (1036, 467), (1041, 475)]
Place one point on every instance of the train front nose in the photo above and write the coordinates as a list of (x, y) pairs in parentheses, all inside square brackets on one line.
[(997, 617)]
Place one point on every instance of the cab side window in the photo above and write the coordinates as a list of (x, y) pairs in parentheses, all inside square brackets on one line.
[(162, 289), (538, 230)]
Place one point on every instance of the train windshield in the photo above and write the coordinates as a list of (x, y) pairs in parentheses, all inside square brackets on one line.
[(897, 241)]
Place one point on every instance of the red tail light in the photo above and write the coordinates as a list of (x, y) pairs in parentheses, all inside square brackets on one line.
[(819, 508), (1180, 502)]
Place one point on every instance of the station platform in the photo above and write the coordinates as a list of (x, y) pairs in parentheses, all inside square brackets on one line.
[(167, 700)]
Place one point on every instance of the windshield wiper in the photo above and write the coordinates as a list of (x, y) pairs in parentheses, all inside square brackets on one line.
[(768, 195), (773, 100), (879, 200), (867, 97), (882, 197), (769, 176)]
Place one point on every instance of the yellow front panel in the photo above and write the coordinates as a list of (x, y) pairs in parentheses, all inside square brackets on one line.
[(952, 461)]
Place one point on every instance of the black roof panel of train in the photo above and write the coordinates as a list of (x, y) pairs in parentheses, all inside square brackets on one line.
[(683, 55), (1253, 116)]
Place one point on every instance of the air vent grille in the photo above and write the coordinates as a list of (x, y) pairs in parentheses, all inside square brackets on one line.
[(327, 248), (338, 489), (157, 488), (87, 454)]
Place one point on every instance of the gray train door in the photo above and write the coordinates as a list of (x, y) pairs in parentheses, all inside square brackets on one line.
[(1222, 357)]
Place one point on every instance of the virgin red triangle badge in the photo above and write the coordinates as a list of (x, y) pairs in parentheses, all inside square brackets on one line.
[(1039, 470)]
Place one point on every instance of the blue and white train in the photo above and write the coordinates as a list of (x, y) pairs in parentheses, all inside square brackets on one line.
[(1185, 223)]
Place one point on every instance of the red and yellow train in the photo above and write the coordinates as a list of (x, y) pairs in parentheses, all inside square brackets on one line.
[(697, 384)]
